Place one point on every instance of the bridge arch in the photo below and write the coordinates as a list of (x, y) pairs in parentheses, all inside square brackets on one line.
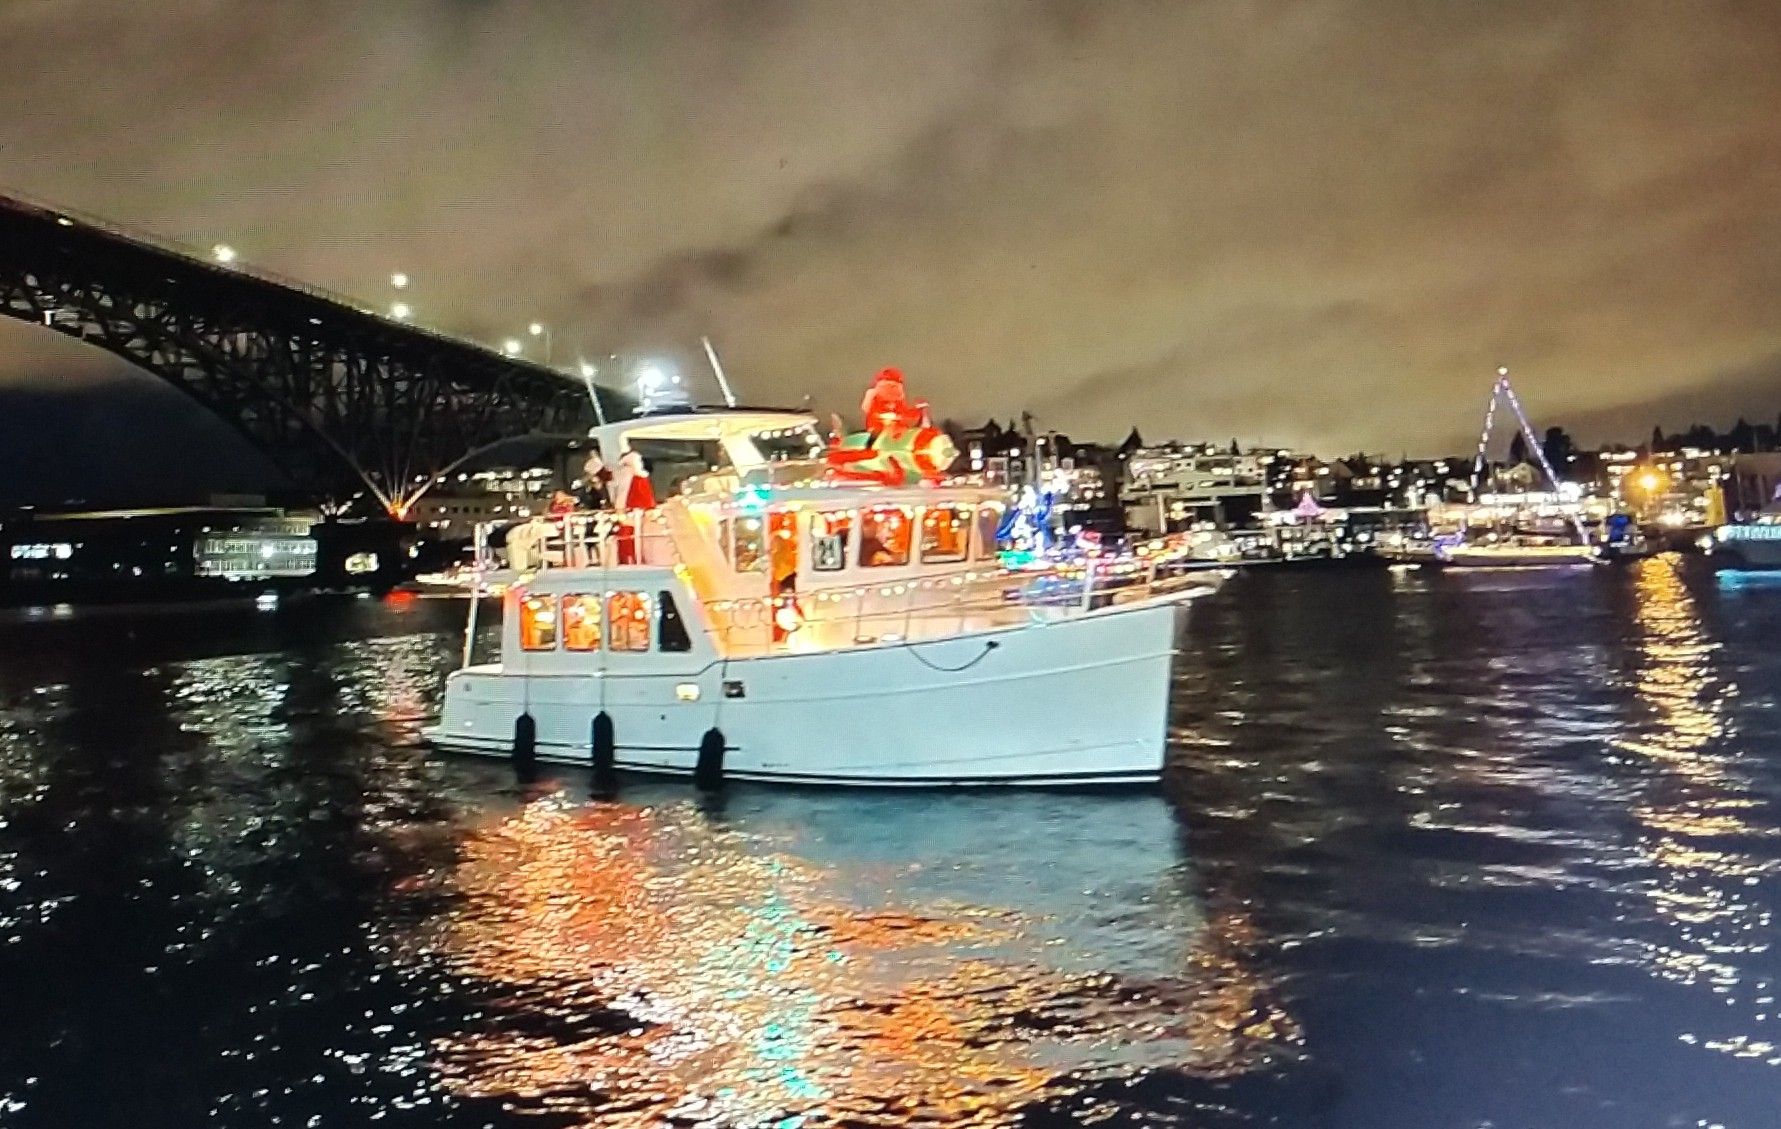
[(336, 396)]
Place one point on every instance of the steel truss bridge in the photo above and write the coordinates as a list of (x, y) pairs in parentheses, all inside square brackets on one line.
[(339, 398)]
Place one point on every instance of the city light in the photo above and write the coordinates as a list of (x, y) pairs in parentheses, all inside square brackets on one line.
[(400, 311), (511, 346), (223, 253), (399, 280), (1650, 480)]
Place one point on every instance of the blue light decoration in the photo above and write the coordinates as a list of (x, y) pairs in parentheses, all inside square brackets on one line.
[(1446, 543), (1025, 532)]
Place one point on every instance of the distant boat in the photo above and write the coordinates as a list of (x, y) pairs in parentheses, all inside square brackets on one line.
[(1516, 549), (1754, 545)]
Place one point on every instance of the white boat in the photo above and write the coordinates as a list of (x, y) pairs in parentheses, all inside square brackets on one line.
[(769, 623), (1746, 545), (1517, 555), (1534, 539)]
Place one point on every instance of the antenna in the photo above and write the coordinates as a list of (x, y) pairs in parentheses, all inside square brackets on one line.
[(587, 378), (718, 368)]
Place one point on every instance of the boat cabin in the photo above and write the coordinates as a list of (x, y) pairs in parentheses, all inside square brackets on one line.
[(757, 548)]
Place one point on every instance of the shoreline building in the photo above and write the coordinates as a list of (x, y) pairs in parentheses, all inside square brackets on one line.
[(1175, 486)]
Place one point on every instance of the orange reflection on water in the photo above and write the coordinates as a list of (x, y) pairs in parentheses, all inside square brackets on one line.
[(1695, 798), (668, 966)]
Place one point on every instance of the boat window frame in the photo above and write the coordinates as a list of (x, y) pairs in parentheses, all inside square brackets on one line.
[(680, 640), (908, 554), (611, 621), (851, 518), (599, 623), (527, 641), (732, 526), (985, 539), (964, 550)]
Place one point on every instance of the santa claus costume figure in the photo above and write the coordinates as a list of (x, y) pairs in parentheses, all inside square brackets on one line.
[(633, 491), (887, 406)]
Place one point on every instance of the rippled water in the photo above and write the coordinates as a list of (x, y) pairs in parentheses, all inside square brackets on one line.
[(1495, 849)]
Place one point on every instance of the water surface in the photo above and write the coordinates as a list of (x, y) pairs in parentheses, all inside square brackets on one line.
[(1488, 849)]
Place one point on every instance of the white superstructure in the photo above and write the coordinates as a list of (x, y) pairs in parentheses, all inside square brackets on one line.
[(768, 623)]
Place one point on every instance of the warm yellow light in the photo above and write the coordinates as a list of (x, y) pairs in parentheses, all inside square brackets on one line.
[(1650, 480)]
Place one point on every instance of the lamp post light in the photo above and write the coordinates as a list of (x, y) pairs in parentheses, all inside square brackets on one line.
[(399, 280), (400, 311), (539, 329), (223, 253), (511, 346)]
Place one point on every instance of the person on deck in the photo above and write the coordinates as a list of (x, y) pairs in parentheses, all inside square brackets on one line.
[(596, 484), (638, 494)]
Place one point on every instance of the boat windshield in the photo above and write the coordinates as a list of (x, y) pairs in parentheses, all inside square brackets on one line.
[(673, 461), (800, 442)]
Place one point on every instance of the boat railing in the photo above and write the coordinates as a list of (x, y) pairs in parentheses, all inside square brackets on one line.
[(937, 607), (589, 539)]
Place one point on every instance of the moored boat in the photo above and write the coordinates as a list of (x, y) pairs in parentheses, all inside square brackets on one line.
[(1752, 545)]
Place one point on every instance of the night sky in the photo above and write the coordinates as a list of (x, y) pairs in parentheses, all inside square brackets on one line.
[(1319, 224)]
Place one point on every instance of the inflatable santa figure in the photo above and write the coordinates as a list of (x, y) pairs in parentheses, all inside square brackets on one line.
[(887, 406)]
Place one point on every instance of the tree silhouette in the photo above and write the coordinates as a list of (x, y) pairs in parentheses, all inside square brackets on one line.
[(1558, 448)]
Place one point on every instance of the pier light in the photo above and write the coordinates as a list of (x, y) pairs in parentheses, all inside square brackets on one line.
[(223, 253)]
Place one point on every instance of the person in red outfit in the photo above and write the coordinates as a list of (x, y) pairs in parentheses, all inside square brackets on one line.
[(639, 494)]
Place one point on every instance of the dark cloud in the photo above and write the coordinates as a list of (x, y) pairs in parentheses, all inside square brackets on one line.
[(1320, 223)]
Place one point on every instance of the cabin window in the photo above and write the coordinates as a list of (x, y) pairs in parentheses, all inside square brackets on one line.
[(627, 621), (538, 623), (989, 519), (885, 536), (749, 552), (581, 623), (945, 534), (829, 534), (670, 628)]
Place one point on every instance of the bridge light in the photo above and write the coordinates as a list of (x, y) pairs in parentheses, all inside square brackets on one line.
[(400, 311), (399, 280), (223, 252), (511, 346)]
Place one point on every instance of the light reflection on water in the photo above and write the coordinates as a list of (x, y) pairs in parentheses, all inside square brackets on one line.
[(816, 955), (1435, 849)]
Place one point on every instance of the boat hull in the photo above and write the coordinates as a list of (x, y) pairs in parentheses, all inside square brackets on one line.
[(1082, 700), (1505, 556), (1741, 548)]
